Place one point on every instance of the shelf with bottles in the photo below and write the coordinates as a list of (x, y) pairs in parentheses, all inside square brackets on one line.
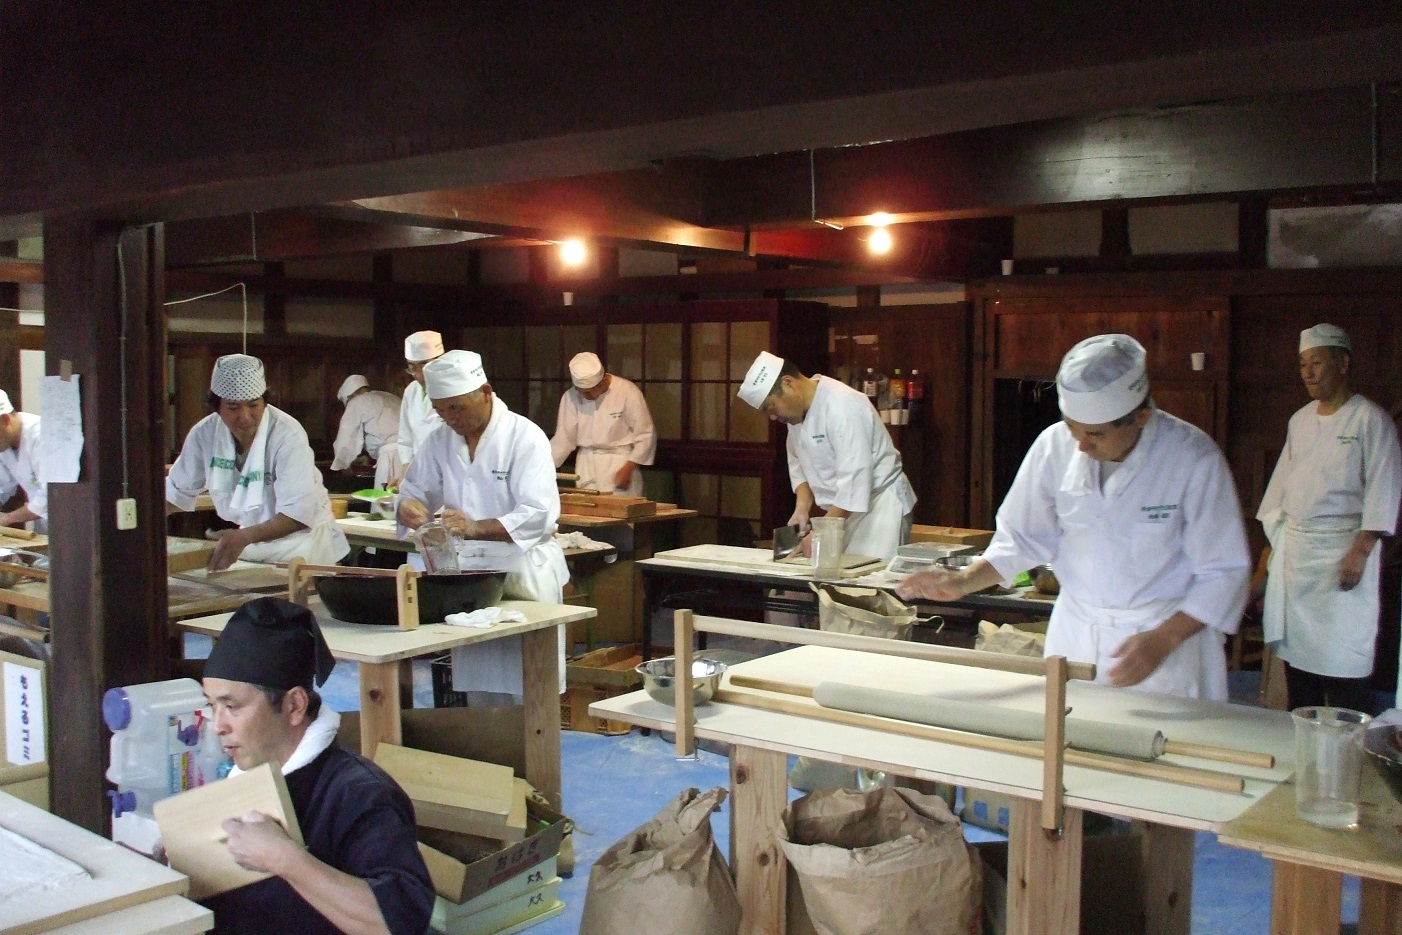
[(899, 399)]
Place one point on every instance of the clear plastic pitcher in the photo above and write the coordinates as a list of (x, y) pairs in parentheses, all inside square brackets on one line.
[(1328, 764), (828, 546), (438, 547)]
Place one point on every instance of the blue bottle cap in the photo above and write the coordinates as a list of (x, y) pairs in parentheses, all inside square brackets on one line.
[(116, 708)]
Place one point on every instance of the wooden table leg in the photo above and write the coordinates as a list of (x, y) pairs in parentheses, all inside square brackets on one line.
[(1379, 908), (1167, 857), (540, 673), (759, 786), (1305, 900), (1044, 872), (379, 705)]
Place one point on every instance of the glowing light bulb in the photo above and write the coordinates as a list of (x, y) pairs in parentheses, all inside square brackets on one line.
[(880, 241), (879, 219), (572, 252)]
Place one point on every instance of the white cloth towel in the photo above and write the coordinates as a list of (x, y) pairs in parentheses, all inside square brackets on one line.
[(320, 735), (246, 486), (484, 618), (578, 540)]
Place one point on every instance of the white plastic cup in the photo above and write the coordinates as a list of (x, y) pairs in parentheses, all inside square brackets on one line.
[(567, 298), (1328, 765), (828, 546), (1199, 360), (1007, 267)]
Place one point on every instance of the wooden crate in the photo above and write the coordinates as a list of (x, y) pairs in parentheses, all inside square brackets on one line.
[(596, 676)]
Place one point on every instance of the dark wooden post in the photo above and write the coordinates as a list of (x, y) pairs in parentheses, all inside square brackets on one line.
[(108, 586)]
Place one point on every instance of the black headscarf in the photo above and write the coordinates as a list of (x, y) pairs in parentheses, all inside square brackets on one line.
[(273, 643)]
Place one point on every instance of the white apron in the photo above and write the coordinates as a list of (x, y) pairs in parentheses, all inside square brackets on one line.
[(1313, 623), (322, 544), (883, 528), (597, 467), (388, 464), (495, 666), (1084, 633)]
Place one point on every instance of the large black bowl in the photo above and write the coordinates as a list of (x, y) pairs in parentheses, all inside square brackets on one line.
[(1381, 744), (365, 599)]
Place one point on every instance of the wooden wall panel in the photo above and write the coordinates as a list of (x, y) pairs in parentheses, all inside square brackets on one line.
[(935, 340)]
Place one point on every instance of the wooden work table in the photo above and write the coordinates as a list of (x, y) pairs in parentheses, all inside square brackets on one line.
[(380, 650), (1044, 885), (1309, 862), (758, 580)]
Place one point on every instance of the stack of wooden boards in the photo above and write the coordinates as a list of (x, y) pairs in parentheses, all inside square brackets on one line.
[(490, 848), (590, 503)]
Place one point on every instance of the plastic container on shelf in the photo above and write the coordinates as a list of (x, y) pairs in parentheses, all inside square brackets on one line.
[(163, 743)]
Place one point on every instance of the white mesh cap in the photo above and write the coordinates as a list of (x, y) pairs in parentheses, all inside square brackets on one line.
[(456, 373), (586, 370), (353, 382), (760, 379), (238, 378), (1324, 335), (423, 345), (1102, 378), (6, 407)]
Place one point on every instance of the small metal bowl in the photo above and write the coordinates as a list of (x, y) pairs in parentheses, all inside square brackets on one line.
[(957, 562), (660, 678)]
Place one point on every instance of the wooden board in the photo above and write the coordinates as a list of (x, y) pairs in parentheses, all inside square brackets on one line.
[(759, 558), (456, 794), (606, 505), (191, 827), (241, 576), (184, 554), (120, 878), (170, 915)]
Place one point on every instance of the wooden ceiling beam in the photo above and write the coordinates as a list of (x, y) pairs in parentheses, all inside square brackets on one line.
[(1288, 142), (291, 235)]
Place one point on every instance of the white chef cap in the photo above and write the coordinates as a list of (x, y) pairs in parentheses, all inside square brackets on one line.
[(353, 382), (238, 378), (423, 345), (1324, 335), (6, 407), (760, 378), (1102, 378), (586, 370), (456, 373)]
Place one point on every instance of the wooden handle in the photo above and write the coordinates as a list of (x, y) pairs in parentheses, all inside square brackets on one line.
[(1182, 775), (1222, 754), (25, 571), (1024, 665)]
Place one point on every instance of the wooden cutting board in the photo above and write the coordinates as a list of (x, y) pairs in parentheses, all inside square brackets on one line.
[(580, 504)]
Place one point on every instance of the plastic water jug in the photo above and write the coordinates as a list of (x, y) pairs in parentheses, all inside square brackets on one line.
[(163, 743)]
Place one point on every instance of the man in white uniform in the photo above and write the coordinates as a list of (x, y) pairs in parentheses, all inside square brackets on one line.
[(256, 463), (417, 419), (20, 468), (371, 422), (1334, 493), (607, 419), (490, 471), (1136, 511), (840, 455)]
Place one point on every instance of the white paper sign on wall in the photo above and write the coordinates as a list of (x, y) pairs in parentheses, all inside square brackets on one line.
[(24, 714)]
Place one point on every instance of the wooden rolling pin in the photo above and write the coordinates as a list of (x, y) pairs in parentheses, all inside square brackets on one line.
[(16, 533), (1182, 775), (1089, 736)]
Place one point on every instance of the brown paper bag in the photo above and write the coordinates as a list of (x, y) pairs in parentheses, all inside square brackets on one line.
[(863, 612), (665, 876), (883, 862)]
